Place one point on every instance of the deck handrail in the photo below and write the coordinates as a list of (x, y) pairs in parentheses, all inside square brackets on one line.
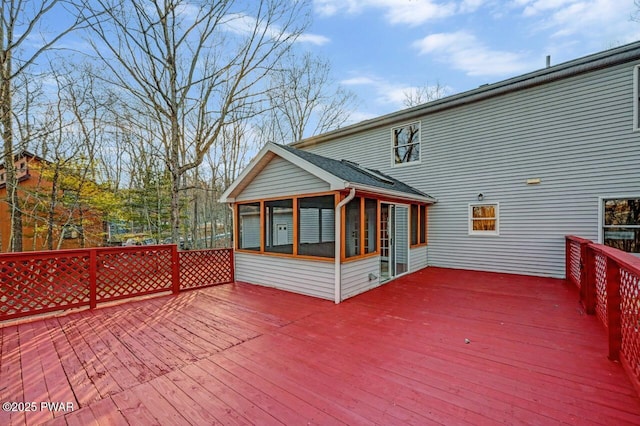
[(33, 283), (609, 284)]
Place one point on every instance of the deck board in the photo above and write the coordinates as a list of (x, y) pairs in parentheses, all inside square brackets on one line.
[(243, 354)]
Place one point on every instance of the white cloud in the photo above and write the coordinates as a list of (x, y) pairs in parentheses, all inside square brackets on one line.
[(318, 40), (539, 6), (359, 81), (386, 93), (465, 52), (600, 21), (469, 6), (243, 24), (412, 12)]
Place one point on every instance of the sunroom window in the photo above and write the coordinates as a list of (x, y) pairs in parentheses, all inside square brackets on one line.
[(414, 224), (483, 219), (278, 226), (621, 227), (406, 143), (370, 225), (423, 224), (249, 226), (316, 218), (352, 225)]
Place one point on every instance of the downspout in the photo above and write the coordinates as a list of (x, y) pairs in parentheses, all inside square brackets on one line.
[(338, 246)]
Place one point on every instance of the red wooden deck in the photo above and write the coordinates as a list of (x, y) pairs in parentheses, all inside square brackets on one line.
[(241, 354)]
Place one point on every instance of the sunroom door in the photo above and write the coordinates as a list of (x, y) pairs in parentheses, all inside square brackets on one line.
[(394, 241)]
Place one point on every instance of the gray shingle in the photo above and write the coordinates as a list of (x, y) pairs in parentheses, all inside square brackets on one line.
[(354, 173)]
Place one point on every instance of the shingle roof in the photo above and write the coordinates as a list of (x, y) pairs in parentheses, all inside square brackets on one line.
[(354, 173)]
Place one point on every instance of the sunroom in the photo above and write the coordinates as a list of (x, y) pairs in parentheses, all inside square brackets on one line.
[(292, 206)]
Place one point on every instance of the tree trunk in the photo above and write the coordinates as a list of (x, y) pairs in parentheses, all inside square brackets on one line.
[(15, 238)]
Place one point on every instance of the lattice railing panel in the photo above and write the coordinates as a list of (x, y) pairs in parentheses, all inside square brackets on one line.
[(630, 318), (132, 272), (202, 268), (574, 262), (601, 288), (35, 283)]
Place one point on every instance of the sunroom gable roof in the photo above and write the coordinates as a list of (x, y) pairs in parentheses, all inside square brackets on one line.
[(338, 174)]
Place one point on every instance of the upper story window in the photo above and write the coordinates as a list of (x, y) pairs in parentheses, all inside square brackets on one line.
[(483, 219), (621, 223), (406, 143)]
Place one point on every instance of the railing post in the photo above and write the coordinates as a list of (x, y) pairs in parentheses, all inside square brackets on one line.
[(93, 278), (613, 309), (567, 258), (588, 288), (233, 265), (175, 269), (583, 272)]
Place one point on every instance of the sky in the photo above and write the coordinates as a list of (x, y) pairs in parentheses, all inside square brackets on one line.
[(379, 49)]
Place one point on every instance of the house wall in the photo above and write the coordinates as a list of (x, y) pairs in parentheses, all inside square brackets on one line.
[(34, 189), (574, 134), (281, 178), (355, 276), (313, 278), (417, 258)]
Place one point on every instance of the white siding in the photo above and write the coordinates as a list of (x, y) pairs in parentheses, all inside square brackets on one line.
[(313, 278), (310, 225), (355, 276), (417, 258), (281, 178), (574, 134), (251, 230), (282, 219)]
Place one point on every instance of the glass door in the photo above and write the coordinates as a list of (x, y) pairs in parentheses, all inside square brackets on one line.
[(386, 240), (401, 246), (394, 241)]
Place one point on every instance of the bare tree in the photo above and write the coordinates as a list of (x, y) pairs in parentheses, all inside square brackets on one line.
[(190, 65), (69, 194), (304, 100), (423, 94), (19, 22)]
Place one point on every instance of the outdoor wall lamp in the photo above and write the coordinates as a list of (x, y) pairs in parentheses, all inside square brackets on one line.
[(480, 197)]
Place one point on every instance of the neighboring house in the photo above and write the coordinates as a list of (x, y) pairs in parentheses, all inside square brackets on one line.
[(514, 166), (33, 187)]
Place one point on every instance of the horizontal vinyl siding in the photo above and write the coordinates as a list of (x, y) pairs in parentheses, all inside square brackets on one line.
[(281, 178), (296, 275), (355, 276), (574, 134), (417, 258)]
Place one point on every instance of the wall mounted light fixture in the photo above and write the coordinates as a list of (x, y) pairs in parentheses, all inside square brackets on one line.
[(480, 196)]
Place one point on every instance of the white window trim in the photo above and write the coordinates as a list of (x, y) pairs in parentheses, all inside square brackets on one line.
[(470, 219), (636, 93), (393, 157), (601, 211)]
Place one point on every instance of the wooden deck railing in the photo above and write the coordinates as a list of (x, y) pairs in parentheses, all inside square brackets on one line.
[(32, 283), (609, 283)]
